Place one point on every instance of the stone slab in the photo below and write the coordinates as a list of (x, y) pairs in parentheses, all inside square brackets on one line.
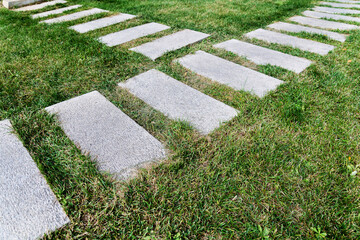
[(340, 5), (40, 6), (325, 24), (101, 23), (18, 3), (54, 12), (263, 56), (159, 47), (74, 16), (115, 141), (314, 14), (179, 101), (127, 35), (295, 42), (298, 28), (336, 10), (345, 1), (28, 207), (229, 73)]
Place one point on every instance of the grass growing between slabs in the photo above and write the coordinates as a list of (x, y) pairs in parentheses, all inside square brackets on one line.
[(284, 168)]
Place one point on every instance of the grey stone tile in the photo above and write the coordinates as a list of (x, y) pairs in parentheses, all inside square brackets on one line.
[(17, 3), (127, 35), (283, 39), (101, 23), (340, 5), (336, 10), (159, 47), (325, 24), (29, 208), (39, 6), (330, 16), (229, 73), (54, 12), (346, 1), (74, 16), (116, 142), (179, 101), (263, 56), (298, 28)]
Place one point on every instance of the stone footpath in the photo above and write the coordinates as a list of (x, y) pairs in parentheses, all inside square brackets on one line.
[(116, 142)]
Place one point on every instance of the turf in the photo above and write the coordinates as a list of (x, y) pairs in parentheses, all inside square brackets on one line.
[(283, 169)]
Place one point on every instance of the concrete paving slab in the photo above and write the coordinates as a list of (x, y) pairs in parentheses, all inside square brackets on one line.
[(314, 14), (74, 16), (127, 35), (325, 24), (345, 1), (101, 23), (229, 73), (263, 56), (340, 5), (179, 101), (116, 142), (54, 12), (28, 207), (39, 6), (17, 3), (159, 47), (298, 28), (336, 10), (295, 42)]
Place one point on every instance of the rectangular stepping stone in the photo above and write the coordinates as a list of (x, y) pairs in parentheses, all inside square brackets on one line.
[(56, 11), (263, 56), (17, 3), (346, 1), (340, 5), (325, 24), (298, 28), (336, 10), (115, 141), (28, 207), (229, 73), (159, 47), (127, 35), (330, 16), (179, 101), (101, 23), (40, 6), (283, 39), (74, 16)]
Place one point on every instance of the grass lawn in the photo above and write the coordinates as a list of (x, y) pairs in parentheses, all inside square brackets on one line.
[(281, 169)]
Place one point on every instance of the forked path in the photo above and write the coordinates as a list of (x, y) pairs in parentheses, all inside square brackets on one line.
[(116, 142)]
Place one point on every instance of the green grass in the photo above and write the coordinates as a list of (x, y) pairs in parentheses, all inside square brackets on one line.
[(280, 170)]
